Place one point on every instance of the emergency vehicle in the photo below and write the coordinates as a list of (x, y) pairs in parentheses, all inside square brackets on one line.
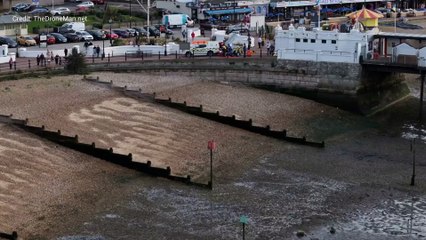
[(207, 48)]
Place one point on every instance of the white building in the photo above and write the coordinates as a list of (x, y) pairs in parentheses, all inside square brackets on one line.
[(11, 25), (323, 46)]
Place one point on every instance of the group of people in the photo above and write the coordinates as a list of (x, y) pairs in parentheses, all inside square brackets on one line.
[(42, 59), (270, 48)]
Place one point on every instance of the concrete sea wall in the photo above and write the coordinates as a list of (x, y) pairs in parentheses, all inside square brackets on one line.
[(345, 85)]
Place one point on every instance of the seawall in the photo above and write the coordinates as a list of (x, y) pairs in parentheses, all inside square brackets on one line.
[(344, 85)]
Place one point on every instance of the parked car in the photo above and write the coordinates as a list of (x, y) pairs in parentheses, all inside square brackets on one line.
[(60, 11), (88, 4), (81, 10), (153, 31), (131, 31), (121, 33), (84, 36), (71, 37), (8, 41), (164, 29), (21, 7), (141, 31), (109, 35), (50, 39), (40, 12), (26, 41), (97, 34), (59, 38)]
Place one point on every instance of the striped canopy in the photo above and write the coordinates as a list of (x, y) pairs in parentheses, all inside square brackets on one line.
[(364, 14)]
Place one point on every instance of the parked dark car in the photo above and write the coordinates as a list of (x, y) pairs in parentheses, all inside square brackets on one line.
[(141, 31), (40, 12), (9, 42), (131, 31), (97, 34), (21, 7), (153, 31), (121, 33), (72, 37), (59, 38)]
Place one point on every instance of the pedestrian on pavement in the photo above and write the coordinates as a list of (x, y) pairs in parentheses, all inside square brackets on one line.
[(38, 59), (272, 50), (86, 46), (259, 42), (10, 63), (66, 52), (244, 50), (268, 46), (60, 61), (193, 36), (51, 56), (98, 51), (56, 59), (42, 60)]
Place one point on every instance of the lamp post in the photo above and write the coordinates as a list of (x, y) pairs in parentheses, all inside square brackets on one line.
[(103, 46), (147, 19), (17, 44), (110, 31), (130, 12), (235, 16), (211, 146)]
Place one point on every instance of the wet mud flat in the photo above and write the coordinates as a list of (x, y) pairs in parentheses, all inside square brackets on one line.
[(281, 187)]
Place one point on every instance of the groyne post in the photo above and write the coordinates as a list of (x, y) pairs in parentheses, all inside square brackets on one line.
[(422, 86)]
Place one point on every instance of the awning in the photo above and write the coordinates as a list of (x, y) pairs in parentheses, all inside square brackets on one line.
[(228, 11)]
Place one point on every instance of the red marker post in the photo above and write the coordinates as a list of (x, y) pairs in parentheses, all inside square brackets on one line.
[(211, 146)]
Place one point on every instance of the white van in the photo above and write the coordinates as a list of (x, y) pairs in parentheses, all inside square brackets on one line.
[(76, 26)]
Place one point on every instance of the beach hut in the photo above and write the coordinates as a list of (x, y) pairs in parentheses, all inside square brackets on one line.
[(367, 17)]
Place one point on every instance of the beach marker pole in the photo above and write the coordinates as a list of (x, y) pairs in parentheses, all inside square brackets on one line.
[(244, 221), (211, 146), (413, 150)]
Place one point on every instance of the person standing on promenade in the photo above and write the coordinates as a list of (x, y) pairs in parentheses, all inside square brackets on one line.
[(268, 46), (244, 50), (66, 52), (38, 59), (98, 51), (42, 60), (259, 42)]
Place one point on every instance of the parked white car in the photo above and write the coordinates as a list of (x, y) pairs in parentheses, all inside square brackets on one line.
[(87, 4), (84, 36), (60, 11)]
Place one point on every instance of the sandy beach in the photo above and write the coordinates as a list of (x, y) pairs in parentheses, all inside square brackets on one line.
[(282, 187)]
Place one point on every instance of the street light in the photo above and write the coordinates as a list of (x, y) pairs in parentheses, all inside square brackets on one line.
[(17, 44), (103, 46), (110, 31)]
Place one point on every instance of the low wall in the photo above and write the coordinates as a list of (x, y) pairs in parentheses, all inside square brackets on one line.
[(112, 51), (91, 149), (25, 53)]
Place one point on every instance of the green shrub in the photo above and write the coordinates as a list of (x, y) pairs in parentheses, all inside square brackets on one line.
[(119, 42), (76, 63)]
